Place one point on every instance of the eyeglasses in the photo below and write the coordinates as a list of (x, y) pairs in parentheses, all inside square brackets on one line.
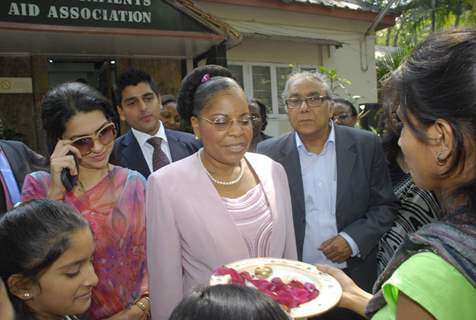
[(104, 135), (311, 102), (222, 122)]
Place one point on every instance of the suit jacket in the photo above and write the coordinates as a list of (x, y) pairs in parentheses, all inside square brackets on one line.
[(22, 160), (128, 154), (189, 232), (365, 203)]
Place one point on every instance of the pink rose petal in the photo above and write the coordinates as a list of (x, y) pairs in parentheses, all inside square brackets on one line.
[(290, 294)]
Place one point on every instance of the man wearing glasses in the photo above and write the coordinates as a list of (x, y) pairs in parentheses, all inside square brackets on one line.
[(148, 146), (341, 192)]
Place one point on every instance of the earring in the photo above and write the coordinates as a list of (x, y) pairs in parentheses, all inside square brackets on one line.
[(197, 138), (440, 160)]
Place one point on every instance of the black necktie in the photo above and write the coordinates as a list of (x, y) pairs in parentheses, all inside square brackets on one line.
[(159, 158)]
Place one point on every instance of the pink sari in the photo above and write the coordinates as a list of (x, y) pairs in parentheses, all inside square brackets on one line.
[(114, 209)]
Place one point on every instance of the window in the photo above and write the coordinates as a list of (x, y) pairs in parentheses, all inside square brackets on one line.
[(261, 76), (282, 74), (266, 82), (237, 72)]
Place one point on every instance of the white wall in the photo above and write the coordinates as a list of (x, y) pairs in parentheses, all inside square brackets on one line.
[(351, 61)]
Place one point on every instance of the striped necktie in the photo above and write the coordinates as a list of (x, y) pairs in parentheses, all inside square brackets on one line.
[(159, 158)]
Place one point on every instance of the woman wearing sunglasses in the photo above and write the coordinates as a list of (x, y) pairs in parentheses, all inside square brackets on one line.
[(80, 137), (220, 204)]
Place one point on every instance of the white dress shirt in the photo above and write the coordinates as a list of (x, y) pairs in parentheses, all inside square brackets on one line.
[(147, 148), (319, 176)]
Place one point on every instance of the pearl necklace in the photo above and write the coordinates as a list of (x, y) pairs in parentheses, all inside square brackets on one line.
[(225, 183)]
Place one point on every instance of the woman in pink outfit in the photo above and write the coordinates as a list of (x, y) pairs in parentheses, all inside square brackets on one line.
[(80, 136), (219, 205)]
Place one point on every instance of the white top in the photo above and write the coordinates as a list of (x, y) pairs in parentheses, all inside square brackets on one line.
[(319, 175), (147, 148)]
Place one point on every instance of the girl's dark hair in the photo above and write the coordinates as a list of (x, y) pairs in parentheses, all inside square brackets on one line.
[(33, 236), (64, 101), (231, 302), (347, 103), (439, 82), (199, 86), (262, 112)]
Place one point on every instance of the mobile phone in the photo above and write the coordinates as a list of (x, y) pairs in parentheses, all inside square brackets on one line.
[(67, 179)]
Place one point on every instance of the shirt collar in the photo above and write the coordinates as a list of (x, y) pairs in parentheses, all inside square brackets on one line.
[(142, 137), (330, 139)]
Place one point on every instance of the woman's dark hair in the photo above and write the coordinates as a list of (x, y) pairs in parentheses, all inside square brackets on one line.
[(66, 100), (391, 126), (230, 302), (439, 82), (347, 103), (262, 112), (33, 236), (199, 86)]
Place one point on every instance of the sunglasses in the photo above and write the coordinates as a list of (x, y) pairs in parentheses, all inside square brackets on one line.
[(104, 135)]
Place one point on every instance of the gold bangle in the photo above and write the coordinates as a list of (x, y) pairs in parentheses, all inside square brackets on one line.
[(141, 305)]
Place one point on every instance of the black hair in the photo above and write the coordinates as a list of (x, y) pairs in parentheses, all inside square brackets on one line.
[(230, 302), (439, 82), (391, 125), (347, 103), (167, 98), (199, 86), (33, 236), (132, 77), (262, 112), (66, 100)]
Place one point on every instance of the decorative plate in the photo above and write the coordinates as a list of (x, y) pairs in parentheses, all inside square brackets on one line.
[(329, 288)]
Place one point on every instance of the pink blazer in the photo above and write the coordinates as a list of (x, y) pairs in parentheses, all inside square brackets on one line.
[(189, 233)]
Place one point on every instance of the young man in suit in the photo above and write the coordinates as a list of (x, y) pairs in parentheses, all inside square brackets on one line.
[(148, 146), (341, 192), (16, 161)]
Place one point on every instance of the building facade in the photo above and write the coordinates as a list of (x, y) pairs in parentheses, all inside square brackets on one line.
[(47, 42), (281, 37)]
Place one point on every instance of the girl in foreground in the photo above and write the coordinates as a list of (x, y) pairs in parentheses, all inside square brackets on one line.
[(46, 260), (230, 302)]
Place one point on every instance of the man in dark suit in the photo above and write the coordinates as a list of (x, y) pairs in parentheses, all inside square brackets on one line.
[(341, 192), (148, 145), (16, 161)]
